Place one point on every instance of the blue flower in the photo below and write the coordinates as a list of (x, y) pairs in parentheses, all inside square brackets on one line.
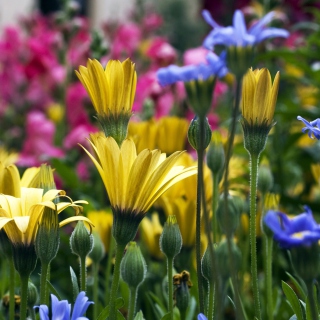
[(201, 316), (313, 127), (238, 35), (302, 230), (61, 309), (216, 66)]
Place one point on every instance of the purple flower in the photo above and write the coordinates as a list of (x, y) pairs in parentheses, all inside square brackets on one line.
[(215, 66), (313, 127), (61, 309), (238, 35), (302, 230), (201, 316)]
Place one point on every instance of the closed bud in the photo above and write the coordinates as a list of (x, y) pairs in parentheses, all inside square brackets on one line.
[(98, 250), (48, 237), (265, 182), (133, 267), (81, 241), (207, 266), (182, 284), (215, 154), (224, 261), (32, 295), (228, 215), (171, 239), (194, 134)]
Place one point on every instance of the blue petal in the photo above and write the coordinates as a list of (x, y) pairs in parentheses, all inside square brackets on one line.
[(43, 312), (257, 27), (208, 18), (240, 29), (201, 316), (81, 305), (271, 33)]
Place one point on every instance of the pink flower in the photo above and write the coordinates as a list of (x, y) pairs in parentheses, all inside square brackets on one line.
[(38, 146), (82, 170), (152, 22), (195, 56), (161, 52), (79, 135), (126, 40)]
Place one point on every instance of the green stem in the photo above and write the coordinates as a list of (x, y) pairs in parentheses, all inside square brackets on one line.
[(254, 161), (210, 302), (215, 199), (32, 314), (170, 286), (198, 231), (23, 296), (11, 289), (215, 276), (95, 267), (234, 118), (83, 274), (43, 283), (313, 303), (115, 281), (132, 302), (269, 244), (108, 269)]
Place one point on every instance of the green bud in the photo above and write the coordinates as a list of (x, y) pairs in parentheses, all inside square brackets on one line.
[(224, 261), (133, 267), (239, 59), (228, 215), (207, 266), (182, 284), (194, 134), (81, 241), (48, 236), (43, 179), (265, 181), (215, 154), (24, 258), (32, 294), (98, 250), (199, 95), (305, 261), (171, 239)]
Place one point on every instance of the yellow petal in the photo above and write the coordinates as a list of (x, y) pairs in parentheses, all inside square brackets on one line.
[(76, 218), (29, 197), (11, 205)]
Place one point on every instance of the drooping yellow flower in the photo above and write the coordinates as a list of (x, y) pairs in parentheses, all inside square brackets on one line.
[(20, 216), (133, 182), (112, 89), (102, 220), (259, 96)]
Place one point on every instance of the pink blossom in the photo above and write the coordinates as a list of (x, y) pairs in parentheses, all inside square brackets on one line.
[(82, 170), (161, 52), (38, 145), (195, 56), (152, 22), (79, 134)]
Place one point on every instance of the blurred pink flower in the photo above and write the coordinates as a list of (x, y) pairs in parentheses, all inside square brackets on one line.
[(126, 40), (161, 52), (82, 170), (79, 134), (38, 145), (195, 56), (152, 22)]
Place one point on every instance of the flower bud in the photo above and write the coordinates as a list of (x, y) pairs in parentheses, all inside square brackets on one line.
[(194, 134), (239, 59), (182, 284), (98, 250), (228, 215), (265, 181), (207, 266), (48, 237), (224, 261), (215, 154), (32, 295), (81, 241), (133, 267), (171, 239)]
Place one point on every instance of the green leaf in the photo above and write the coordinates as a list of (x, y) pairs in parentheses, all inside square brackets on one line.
[(75, 286), (301, 292), (53, 290), (105, 312), (166, 316), (293, 300), (139, 316)]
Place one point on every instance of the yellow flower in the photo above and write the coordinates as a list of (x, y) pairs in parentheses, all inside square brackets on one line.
[(259, 96), (20, 216), (112, 89), (133, 182), (151, 230), (7, 157), (102, 220)]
